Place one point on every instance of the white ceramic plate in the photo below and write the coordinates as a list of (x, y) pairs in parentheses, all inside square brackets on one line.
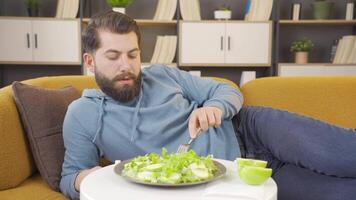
[(220, 173)]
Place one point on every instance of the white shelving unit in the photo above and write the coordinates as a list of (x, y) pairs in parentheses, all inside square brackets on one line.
[(316, 69), (40, 41)]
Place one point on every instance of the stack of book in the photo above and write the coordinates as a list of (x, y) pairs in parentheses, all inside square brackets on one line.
[(258, 10), (67, 8), (165, 10), (190, 9), (165, 49), (346, 50)]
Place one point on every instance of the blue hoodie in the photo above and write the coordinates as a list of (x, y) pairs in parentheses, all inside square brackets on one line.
[(98, 126)]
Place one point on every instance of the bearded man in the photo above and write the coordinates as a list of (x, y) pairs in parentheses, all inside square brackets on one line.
[(140, 111)]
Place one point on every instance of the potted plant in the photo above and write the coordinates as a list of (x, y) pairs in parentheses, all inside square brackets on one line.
[(301, 49), (322, 9), (223, 12), (119, 5), (32, 7)]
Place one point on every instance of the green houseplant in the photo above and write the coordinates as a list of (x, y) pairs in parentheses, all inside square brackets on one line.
[(119, 5), (322, 9), (301, 49), (32, 7)]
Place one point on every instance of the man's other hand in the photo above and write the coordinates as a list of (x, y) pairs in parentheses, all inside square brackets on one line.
[(82, 174), (204, 118)]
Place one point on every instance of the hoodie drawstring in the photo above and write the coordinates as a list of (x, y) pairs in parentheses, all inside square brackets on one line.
[(100, 119), (135, 119)]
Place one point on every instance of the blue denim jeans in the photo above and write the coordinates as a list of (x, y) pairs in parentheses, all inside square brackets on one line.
[(311, 160)]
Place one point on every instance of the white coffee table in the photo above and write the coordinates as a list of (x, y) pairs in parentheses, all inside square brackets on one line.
[(104, 184)]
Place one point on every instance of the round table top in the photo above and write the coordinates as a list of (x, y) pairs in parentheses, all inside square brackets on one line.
[(105, 184)]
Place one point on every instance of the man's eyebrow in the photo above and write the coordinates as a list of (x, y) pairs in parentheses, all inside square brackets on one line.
[(112, 51), (119, 52), (135, 49)]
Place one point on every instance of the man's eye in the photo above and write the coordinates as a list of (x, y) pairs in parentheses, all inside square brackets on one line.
[(132, 56), (112, 57)]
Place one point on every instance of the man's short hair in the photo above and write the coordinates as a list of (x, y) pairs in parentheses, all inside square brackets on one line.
[(111, 21)]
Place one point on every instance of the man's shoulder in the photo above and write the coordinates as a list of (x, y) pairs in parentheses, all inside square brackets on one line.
[(82, 106), (159, 68)]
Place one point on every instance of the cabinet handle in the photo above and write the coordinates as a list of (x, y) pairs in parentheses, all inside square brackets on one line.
[(228, 43), (221, 43), (36, 41), (28, 40)]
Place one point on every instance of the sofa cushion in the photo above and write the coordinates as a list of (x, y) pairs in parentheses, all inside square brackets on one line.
[(33, 188), (328, 98), (42, 112)]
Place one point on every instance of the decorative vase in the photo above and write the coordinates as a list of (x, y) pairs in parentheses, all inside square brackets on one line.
[(222, 14), (119, 9), (322, 9), (301, 57)]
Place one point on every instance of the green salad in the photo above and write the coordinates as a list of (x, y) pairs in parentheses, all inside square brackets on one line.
[(172, 168)]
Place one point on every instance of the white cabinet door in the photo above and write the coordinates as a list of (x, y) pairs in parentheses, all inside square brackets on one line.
[(15, 39), (56, 41), (202, 43), (248, 43)]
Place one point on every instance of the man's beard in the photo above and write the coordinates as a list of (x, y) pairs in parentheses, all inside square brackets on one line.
[(121, 93)]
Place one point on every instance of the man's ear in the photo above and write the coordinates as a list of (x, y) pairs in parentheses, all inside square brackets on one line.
[(88, 60)]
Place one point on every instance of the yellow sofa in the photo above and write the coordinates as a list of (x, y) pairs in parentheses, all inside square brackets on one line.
[(332, 99)]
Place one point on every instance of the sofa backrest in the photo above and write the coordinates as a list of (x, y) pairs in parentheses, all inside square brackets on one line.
[(331, 99), (16, 159)]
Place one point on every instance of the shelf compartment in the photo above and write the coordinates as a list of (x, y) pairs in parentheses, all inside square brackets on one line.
[(340, 22), (316, 64), (148, 22)]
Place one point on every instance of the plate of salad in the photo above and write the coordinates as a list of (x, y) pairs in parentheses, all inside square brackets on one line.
[(171, 170)]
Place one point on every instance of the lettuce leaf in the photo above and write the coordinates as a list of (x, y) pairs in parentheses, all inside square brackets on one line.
[(172, 168)]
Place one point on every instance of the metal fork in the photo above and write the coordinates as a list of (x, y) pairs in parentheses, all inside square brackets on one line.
[(183, 148)]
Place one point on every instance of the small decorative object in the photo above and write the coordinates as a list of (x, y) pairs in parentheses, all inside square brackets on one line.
[(32, 7), (322, 9), (224, 12), (301, 49), (119, 5)]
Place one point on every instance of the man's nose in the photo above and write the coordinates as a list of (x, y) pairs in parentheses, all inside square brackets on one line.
[(124, 64)]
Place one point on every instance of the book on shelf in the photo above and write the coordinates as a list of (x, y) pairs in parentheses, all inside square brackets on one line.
[(258, 10), (249, 8), (338, 51), (247, 76), (296, 8), (165, 49), (157, 48), (349, 11), (195, 10), (172, 49), (172, 9), (67, 8), (59, 10), (346, 50), (352, 57), (190, 9), (165, 10)]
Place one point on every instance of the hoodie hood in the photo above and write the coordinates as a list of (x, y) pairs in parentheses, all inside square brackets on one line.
[(103, 99), (95, 93)]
